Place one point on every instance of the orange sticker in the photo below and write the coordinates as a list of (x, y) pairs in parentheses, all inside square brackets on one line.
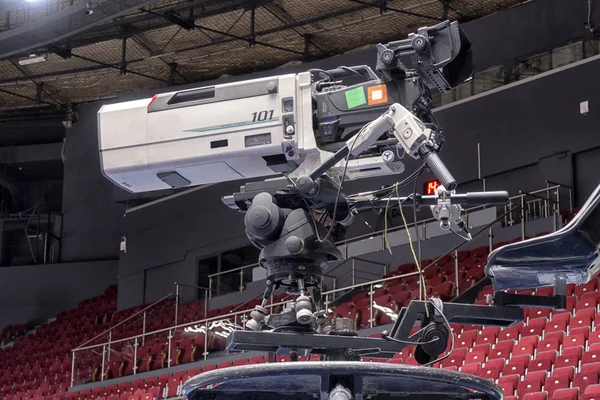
[(377, 95)]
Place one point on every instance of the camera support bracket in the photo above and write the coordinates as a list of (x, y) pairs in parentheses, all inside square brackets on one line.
[(350, 348)]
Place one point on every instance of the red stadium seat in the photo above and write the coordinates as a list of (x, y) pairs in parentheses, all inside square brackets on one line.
[(570, 356), (554, 383), (566, 394), (531, 383), (581, 290), (523, 349), (557, 325), (475, 357), (536, 396), (532, 313), (588, 375), (497, 353), (472, 368), (588, 301), (488, 335), (592, 355), (456, 359), (510, 333), (592, 392), (577, 340), (515, 367), (508, 383)]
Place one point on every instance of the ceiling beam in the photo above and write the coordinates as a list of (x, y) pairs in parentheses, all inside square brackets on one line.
[(64, 24), (112, 30), (377, 5), (284, 27)]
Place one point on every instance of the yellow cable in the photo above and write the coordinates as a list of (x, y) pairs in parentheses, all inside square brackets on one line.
[(412, 249)]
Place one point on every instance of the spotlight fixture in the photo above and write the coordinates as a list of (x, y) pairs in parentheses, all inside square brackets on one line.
[(33, 59)]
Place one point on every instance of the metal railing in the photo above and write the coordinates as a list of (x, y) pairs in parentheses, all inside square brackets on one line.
[(520, 209), (206, 326)]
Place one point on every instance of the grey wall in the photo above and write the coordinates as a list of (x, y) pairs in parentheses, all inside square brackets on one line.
[(520, 129), (39, 292)]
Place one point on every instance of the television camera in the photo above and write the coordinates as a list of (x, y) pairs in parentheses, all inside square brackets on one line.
[(318, 129)]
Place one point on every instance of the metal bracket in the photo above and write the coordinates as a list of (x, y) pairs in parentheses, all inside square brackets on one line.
[(502, 299), (455, 313)]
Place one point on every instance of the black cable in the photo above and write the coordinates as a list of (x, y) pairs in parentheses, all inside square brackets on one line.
[(322, 71), (414, 196), (391, 339), (342, 179), (337, 199), (401, 185)]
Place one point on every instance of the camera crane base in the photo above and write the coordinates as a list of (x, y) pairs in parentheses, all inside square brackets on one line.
[(338, 380)]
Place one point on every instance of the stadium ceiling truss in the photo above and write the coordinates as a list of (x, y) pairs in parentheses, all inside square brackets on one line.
[(99, 49)]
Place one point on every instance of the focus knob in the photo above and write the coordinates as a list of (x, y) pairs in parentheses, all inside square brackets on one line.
[(260, 216), (388, 57), (420, 43)]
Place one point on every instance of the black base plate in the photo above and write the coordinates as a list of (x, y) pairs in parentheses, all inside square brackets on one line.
[(314, 381)]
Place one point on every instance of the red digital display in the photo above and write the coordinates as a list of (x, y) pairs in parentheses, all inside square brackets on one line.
[(430, 187)]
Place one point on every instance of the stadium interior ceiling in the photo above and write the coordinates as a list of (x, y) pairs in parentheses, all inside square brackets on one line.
[(98, 50)]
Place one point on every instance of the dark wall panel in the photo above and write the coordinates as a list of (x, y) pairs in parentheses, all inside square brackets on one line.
[(39, 292), (92, 221), (526, 29), (523, 124), (160, 282), (131, 290), (587, 175)]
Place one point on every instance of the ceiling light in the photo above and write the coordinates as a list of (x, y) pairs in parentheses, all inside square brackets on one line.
[(30, 1), (33, 59)]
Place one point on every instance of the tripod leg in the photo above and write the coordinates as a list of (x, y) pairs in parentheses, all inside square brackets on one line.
[(257, 316), (320, 312), (304, 308)]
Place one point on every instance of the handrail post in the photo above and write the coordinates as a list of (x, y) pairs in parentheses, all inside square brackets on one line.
[(353, 273), (241, 280), (522, 217), (176, 302), (205, 340), (144, 329), (135, 349), (209, 287), (103, 359), (206, 295), (570, 200), (73, 367), (169, 341), (547, 202), (491, 239), (371, 305), (456, 272), (109, 340), (557, 208)]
